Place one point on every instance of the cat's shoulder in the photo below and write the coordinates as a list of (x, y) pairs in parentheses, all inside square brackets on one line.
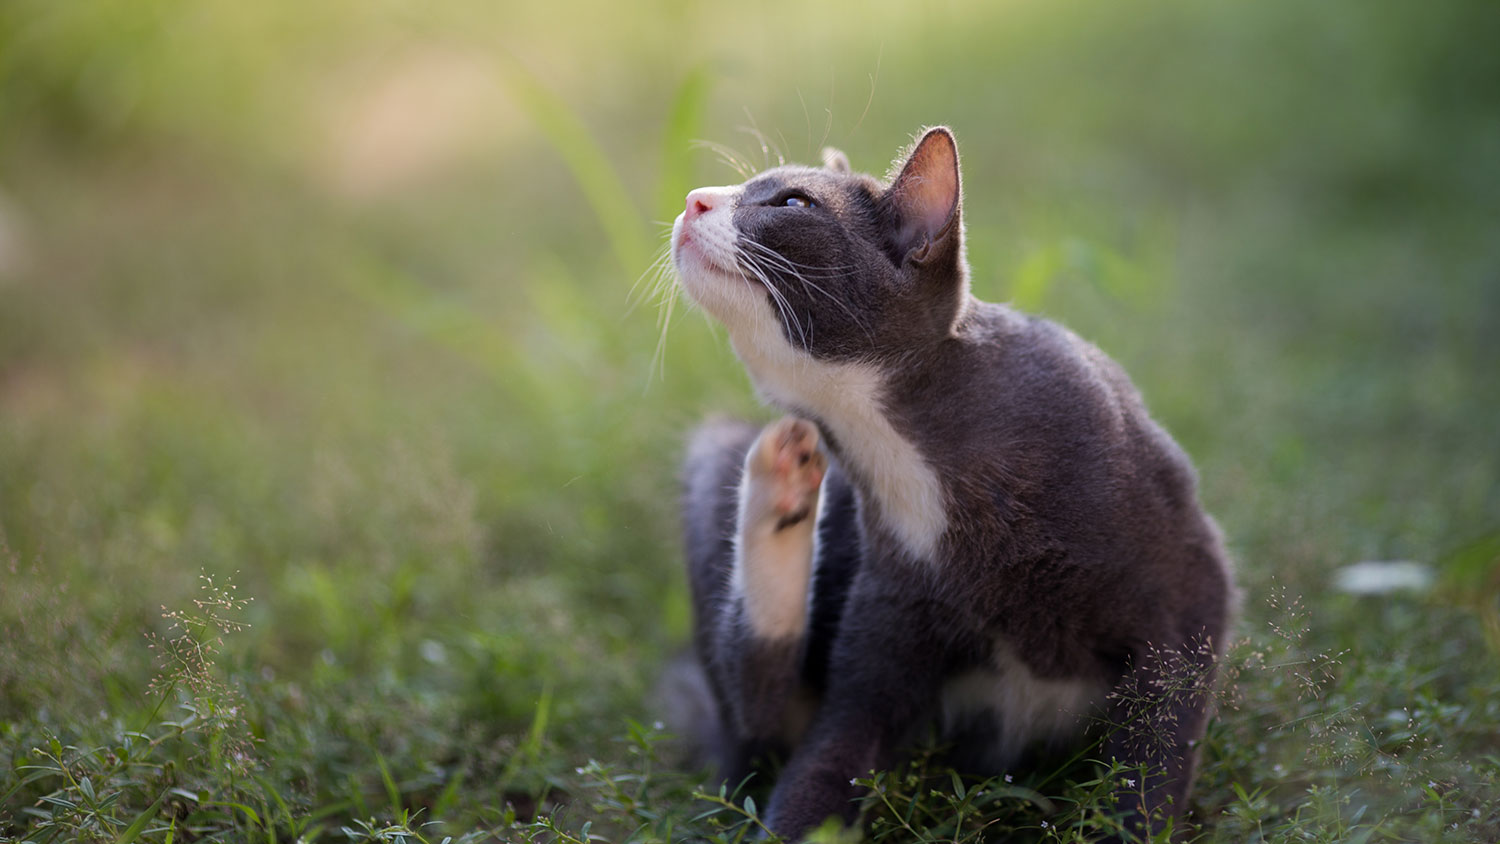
[(1038, 355), (996, 328)]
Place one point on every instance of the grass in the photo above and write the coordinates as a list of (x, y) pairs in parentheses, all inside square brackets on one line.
[(331, 306)]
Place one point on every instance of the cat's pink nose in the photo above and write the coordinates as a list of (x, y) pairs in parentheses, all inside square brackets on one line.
[(703, 200)]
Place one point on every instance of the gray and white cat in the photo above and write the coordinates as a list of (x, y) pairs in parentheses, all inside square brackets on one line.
[(997, 539)]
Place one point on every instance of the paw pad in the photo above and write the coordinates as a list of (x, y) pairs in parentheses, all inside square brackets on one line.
[(786, 470)]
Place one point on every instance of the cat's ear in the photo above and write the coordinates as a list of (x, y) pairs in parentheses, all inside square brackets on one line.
[(923, 199), (836, 161)]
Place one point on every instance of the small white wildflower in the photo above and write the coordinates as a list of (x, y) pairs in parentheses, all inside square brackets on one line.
[(1009, 778), (1432, 785), (1044, 824), (578, 771), (1475, 813), (657, 725), (853, 781), (1129, 783)]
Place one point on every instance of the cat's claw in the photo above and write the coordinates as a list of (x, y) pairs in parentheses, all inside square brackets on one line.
[(786, 470)]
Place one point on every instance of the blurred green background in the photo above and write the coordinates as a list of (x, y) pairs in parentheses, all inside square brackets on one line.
[(335, 299)]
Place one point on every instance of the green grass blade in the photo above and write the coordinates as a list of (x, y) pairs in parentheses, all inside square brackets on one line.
[(531, 747), (587, 162), (137, 826), (281, 805), (449, 324), (361, 809), (250, 814), (392, 793), (448, 796), (538, 731), (684, 124)]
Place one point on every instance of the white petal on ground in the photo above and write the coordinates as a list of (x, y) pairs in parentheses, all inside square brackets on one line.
[(1373, 577)]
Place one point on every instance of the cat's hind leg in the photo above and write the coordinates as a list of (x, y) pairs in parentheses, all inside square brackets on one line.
[(778, 502), (750, 506)]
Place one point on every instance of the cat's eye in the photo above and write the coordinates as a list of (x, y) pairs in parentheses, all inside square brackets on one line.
[(797, 200)]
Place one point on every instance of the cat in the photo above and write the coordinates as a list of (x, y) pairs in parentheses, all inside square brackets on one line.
[(968, 519)]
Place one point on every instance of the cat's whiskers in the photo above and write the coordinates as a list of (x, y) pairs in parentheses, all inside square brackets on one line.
[(782, 303), (835, 271), (783, 307), (657, 271), (766, 265), (767, 146), (781, 261), (665, 289), (730, 157), (828, 126), (809, 329), (664, 320), (768, 259), (662, 288), (806, 118)]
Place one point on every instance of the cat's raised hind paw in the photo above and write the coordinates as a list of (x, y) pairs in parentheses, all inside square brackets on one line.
[(778, 510), (784, 472)]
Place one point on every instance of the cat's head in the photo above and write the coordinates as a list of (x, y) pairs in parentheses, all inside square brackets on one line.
[(835, 264)]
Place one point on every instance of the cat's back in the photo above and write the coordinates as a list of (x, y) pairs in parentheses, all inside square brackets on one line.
[(1036, 384), (1040, 364), (1061, 422), (1075, 503)]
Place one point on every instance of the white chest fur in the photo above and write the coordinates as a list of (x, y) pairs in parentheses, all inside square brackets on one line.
[(1025, 709), (844, 396), (847, 398)]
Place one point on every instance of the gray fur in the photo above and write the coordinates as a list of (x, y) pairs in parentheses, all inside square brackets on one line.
[(1074, 544)]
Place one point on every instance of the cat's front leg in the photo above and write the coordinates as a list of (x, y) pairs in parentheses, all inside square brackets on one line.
[(895, 648)]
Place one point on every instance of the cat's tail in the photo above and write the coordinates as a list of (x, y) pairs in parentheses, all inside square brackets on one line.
[(688, 712)]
